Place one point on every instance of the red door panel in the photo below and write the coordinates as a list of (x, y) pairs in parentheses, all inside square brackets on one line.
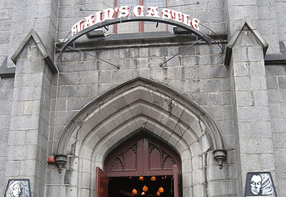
[(101, 187), (176, 180)]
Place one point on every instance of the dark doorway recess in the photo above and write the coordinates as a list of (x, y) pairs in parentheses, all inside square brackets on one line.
[(123, 186), (142, 155)]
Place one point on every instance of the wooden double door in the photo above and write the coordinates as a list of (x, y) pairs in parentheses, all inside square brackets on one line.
[(141, 156)]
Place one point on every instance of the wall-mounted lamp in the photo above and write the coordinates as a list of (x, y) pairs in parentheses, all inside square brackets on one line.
[(95, 34)]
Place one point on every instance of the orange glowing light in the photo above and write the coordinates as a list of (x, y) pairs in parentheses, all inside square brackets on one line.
[(145, 188), (134, 191)]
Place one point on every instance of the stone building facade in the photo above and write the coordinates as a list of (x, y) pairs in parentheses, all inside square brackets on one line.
[(219, 106)]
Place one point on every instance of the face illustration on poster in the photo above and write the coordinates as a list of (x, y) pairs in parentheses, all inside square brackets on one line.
[(259, 184), (255, 184), (18, 188)]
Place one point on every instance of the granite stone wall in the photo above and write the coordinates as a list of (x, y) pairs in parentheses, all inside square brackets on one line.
[(245, 100), (276, 95), (6, 86)]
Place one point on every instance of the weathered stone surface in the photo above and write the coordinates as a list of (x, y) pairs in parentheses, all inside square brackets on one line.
[(246, 101)]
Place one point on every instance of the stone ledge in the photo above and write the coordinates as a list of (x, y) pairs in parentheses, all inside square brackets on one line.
[(116, 41), (6, 72)]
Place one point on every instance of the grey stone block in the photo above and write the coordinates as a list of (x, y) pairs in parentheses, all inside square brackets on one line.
[(210, 85), (250, 162), (260, 98), (239, 54), (5, 123), (4, 14), (27, 167), (12, 168), (17, 138), (278, 125), (278, 141), (188, 72), (272, 82), (158, 52), (71, 57), (282, 82), (5, 25), (209, 72), (69, 79), (243, 83), (258, 83), (143, 52), (245, 98), (80, 91), (5, 95), (190, 60), (255, 54), (154, 62), (64, 117), (200, 98), (219, 98), (259, 129), (257, 146), (253, 114), (204, 60), (27, 122), (242, 2), (267, 162), (104, 77), (4, 37), (241, 69)]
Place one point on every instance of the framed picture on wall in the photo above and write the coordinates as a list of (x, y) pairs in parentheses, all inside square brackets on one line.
[(18, 188), (259, 184)]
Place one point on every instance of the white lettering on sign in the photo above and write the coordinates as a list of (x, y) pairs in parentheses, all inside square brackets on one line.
[(166, 13), (138, 11), (123, 11), (153, 11)]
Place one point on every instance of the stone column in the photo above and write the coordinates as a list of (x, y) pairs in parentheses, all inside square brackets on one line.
[(29, 127), (253, 135)]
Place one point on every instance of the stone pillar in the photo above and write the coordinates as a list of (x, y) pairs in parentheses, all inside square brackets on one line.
[(29, 127), (253, 135)]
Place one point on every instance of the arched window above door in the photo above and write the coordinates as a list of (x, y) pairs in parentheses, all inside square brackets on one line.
[(141, 155)]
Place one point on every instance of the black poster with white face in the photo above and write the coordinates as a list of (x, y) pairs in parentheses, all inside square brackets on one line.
[(18, 188), (259, 184)]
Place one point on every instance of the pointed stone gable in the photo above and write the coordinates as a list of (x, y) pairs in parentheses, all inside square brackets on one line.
[(40, 45), (244, 24)]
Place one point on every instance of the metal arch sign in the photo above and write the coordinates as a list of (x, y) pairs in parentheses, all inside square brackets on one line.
[(123, 15)]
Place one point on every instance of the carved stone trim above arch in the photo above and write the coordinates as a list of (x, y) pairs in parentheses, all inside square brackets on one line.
[(141, 105), (140, 98)]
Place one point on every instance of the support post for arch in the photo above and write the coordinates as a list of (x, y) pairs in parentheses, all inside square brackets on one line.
[(220, 157), (60, 161)]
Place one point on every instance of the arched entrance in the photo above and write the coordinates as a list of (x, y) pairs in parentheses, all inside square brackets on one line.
[(142, 160), (137, 105)]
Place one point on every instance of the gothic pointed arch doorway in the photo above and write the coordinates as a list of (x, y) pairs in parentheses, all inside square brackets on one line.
[(142, 165), (137, 105)]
